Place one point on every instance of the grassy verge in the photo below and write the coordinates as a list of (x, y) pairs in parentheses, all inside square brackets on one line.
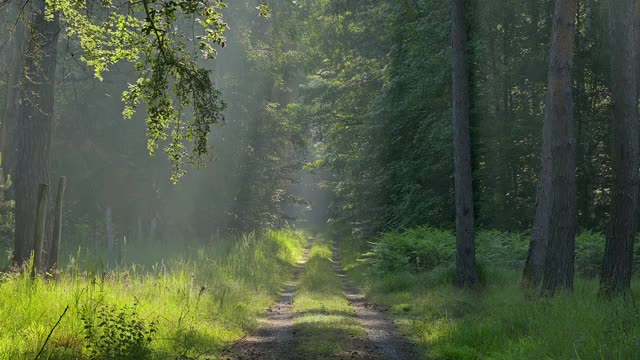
[(189, 308), (499, 321), (325, 324)]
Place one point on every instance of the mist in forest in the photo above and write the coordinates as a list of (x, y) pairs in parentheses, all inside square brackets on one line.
[(117, 195), (334, 113)]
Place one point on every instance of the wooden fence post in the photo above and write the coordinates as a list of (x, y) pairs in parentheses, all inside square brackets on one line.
[(57, 225), (41, 217)]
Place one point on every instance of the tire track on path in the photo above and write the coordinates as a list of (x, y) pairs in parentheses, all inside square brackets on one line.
[(275, 337), (382, 334)]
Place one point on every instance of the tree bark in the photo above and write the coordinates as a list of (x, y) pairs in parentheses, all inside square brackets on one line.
[(550, 259), (40, 225), (466, 272), (57, 226), (11, 105), (108, 222), (34, 124), (618, 257), (559, 140)]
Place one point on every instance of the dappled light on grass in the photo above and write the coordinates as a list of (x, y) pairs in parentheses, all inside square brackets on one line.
[(325, 323), (200, 304), (499, 321)]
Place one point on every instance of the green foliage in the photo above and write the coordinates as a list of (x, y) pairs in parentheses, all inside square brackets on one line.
[(152, 35), (419, 249), (112, 332), (377, 92), (499, 321), (426, 249), (589, 253)]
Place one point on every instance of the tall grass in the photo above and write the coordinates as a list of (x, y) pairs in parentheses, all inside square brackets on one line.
[(500, 320), (198, 303)]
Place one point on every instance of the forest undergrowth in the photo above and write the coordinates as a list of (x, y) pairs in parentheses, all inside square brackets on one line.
[(411, 274), (188, 307)]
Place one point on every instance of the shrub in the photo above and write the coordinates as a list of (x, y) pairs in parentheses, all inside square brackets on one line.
[(426, 249), (501, 249), (589, 253), (117, 333), (418, 249)]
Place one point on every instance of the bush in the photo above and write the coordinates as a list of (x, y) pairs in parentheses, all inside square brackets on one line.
[(117, 333), (589, 253), (418, 249), (501, 249), (425, 249)]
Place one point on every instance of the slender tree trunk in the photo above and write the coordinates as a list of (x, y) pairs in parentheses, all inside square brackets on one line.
[(57, 226), (40, 226), (108, 222), (153, 226), (466, 272), (618, 256), (34, 124)]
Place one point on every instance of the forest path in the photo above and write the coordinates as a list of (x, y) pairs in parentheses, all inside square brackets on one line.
[(380, 331), (274, 338), (332, 322)]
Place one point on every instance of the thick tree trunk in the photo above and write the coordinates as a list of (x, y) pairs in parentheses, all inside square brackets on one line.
[(618, 257), (11, 105), (34, 124), (559, 139), (466, 272), (551, 250)]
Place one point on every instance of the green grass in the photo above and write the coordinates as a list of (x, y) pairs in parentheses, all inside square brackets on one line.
[(200, 303), (325, 323), (498, 321)]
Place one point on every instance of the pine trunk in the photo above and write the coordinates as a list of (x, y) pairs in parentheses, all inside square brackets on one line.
[(560, 187), (550, 258), (618, 258), (466, 272)]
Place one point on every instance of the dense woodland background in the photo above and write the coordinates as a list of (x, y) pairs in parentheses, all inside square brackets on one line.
[(205, 144), (355, 92)]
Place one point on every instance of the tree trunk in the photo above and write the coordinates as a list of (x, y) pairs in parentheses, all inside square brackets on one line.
[(108, 221), (466, 272), (34, 124), (139, 232), (40, 226), (550, 258), (618, 257), (57, 226), (11, 105), (560, 143), (153, 226), (534, 265)]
